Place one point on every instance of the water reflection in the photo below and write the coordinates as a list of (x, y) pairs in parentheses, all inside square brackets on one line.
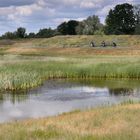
[(121, 91), (58, 96), (14, 97)]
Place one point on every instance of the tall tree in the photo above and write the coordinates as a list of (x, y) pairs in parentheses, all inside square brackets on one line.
[(137, 13), (9, 35), (79, 28), (137, 29), (121, 20), (21, 32), (137, 16), (31, 35), (68, 28), (92, 24), (62, 28), (45, 33), (89, 26), (71, 27)]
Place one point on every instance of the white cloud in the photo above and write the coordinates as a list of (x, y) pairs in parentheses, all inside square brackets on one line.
[(85, 4), (60, 20), (35, 14), (16, 12), (104, 10), (90, 3)]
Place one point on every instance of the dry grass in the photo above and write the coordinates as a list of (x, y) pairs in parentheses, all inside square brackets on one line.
[(56, 51), (119, 122), (84, 41), (21, 50)]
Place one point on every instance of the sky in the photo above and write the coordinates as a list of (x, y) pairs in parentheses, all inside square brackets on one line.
[(37, 14)]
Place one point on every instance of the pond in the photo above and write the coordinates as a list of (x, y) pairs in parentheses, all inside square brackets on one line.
[(58, 96)]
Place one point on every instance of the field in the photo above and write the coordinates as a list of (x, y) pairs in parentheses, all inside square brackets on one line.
[(28, 63)]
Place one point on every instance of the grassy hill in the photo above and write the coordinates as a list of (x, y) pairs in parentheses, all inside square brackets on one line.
[(84, 41), (73, 45)]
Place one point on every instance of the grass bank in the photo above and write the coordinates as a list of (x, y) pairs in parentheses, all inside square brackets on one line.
[(120, 122)]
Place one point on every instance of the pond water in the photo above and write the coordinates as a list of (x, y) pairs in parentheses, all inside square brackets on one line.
[(59, 96)]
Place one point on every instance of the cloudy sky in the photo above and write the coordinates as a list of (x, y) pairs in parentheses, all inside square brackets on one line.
[(36, 14)]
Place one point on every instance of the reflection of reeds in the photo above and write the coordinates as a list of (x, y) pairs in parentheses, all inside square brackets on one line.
[(120, 122), (28, 74)]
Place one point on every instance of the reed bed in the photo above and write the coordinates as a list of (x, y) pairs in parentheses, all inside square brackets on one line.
[(32, 73)]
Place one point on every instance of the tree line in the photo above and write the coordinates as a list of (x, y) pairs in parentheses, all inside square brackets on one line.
[(123, 19)]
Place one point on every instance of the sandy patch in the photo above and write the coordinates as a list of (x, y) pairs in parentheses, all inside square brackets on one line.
[(21, 50)]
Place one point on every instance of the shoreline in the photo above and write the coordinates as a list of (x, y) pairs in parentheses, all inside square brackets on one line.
[(111, 122)]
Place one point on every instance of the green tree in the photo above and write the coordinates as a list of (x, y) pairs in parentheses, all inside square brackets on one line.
[(71, 27), (79, 28), (45, 33), (137, 13), (21, 32), (137, 29), (68, 28), (89, 26), (31, 35), (137, 16), (121, 20), (62, 28), (9, 35), (92, 24)]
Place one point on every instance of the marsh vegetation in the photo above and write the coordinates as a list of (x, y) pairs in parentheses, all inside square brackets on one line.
[(28, 72), (27, 64)]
